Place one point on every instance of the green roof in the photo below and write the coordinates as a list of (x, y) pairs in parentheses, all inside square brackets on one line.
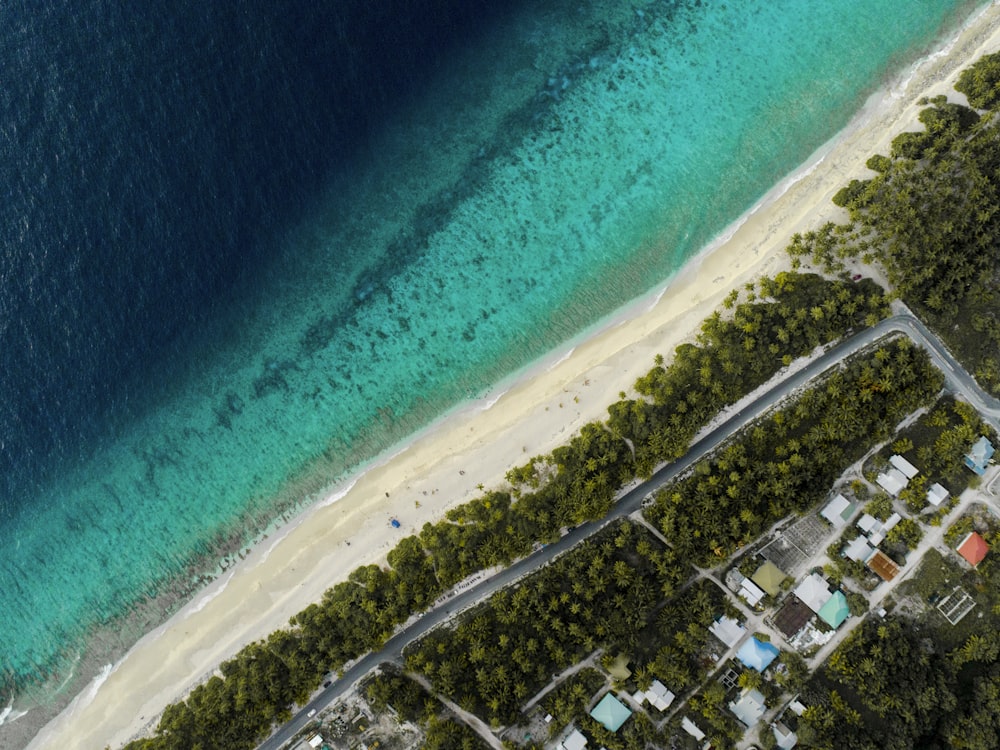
[(610, 712), (835, 611), (769, 578)]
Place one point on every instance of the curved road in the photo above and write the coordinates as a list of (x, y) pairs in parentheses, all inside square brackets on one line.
[(959, 381)]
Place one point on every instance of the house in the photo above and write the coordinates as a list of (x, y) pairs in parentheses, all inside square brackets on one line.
[(892, 480), (734, 579), (611, 713), (751, 592), (838, 511), (905, 467), (937, 494), (727, 630), (793, 616), (749, 708), (769, 577), (316, 740), (784, 737), (875, 529), (814, 591), (973, 548), (979, 455), (882, 565), (659, 696), (859, 549), (835, 611), (691, 728), (757, 655), (575, 741)]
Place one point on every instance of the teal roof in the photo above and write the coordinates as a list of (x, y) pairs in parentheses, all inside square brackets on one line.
[(835, 611), (610, 712)]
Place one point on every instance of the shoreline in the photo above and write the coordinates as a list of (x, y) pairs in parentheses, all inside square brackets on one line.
[(543, 405)]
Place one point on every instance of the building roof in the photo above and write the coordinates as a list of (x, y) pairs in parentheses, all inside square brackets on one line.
[(727, 630), (937, 494), (316, 740), (814, 591), (757, 655), (769, 577), (691, 728), (610, 712), (835, 611), (908, 469), (575, 741), (867, 523), (785, 738), (659, 696), (838, 511), (979, 455), (792, 616), (751, 592), (892, 481), (749, 708), (883, 565), (973, 548), (858, 549)]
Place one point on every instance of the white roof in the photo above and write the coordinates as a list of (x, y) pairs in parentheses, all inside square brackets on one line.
[(937, 494), (908, 469), (814, 592), (867, 522), (859, 549), (750, 707), (877, 537), (727, 630), (798, 708), (892, 481), (833, 512), (691, 728), (785, 737), (659, 696), (751, 592), (891, 522), (639, 697), (316, 740), (575, 741)]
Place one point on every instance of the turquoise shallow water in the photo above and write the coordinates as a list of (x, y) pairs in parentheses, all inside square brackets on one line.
[(568, 162)]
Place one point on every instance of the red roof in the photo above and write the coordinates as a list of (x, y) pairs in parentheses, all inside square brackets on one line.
[(973, 548)]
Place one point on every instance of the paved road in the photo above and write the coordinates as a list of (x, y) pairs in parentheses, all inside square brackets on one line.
[(903, 322)]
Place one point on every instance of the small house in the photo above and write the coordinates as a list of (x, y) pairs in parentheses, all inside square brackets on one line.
[(814, 591), (691, 728), (973, 548), (907, 469), (611, 713), (751, 592), (769, 577), (882, 565), (979, 455), (575, 741), (749, 708), (858, 549), (835, 611), (659, 696), (892, 480), (757, 655), (838, 511), (727, 630), (937, 494)]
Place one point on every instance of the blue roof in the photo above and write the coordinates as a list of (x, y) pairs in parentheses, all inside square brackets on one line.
[(979, 456), (610, 712), (757, 655)]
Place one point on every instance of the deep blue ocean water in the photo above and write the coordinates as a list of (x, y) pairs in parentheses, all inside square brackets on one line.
[(245, 249)]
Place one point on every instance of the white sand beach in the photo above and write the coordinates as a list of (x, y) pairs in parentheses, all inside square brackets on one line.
[(476, 445)]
